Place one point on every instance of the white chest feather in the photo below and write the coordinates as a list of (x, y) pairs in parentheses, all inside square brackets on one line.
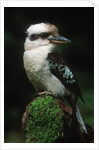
[(38, 71)]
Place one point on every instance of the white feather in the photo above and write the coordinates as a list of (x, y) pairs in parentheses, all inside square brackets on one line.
[(38, 71), (80, 121)]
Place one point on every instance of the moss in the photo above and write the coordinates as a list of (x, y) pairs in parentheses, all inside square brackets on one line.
[(45, 120)]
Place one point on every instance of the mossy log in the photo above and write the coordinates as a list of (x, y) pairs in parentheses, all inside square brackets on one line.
[(50, 120)]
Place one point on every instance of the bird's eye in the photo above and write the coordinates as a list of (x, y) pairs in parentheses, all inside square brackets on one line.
[(33, 37), (44, 35)]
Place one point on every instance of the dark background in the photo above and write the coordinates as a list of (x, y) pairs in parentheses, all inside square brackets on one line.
[(77, 24)]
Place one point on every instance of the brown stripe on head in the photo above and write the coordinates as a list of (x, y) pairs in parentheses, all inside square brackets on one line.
[(51, 29)]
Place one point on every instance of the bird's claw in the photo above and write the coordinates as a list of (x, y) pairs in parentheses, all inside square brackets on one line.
[(45, 92)]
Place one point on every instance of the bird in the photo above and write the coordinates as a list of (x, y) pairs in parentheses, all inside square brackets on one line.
[(47, 70)]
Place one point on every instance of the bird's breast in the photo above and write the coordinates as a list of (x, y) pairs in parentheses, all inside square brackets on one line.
[(38, 71), (34, 61), (36, 66)]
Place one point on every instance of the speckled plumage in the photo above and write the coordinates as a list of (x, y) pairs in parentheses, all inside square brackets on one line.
[(60, 69)]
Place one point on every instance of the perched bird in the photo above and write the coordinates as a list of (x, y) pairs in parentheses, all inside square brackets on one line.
[(46, 70)]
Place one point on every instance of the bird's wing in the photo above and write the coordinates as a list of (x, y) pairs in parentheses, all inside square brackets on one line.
[(59, 68)]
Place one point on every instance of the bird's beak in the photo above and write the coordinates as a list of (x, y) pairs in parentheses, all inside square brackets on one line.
[(59, 40)]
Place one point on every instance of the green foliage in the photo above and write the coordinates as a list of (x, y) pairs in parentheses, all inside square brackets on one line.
[(45, 120), (87, 109)]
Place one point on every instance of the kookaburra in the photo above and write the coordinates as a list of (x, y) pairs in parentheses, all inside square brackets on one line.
[(46, 70)]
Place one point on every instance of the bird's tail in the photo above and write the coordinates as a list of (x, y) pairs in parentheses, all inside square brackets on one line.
[(80, 121)]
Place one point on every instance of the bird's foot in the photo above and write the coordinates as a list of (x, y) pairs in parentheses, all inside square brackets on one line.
[(45, 92)]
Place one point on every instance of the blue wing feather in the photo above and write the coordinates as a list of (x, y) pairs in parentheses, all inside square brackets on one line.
[(59, 68)]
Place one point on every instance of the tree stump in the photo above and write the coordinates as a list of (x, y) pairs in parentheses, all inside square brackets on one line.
[(49, 120)]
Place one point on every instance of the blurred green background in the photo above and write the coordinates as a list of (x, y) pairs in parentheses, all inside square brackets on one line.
[(77, 24)]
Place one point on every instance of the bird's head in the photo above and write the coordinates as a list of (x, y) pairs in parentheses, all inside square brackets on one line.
[(43, 34)]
